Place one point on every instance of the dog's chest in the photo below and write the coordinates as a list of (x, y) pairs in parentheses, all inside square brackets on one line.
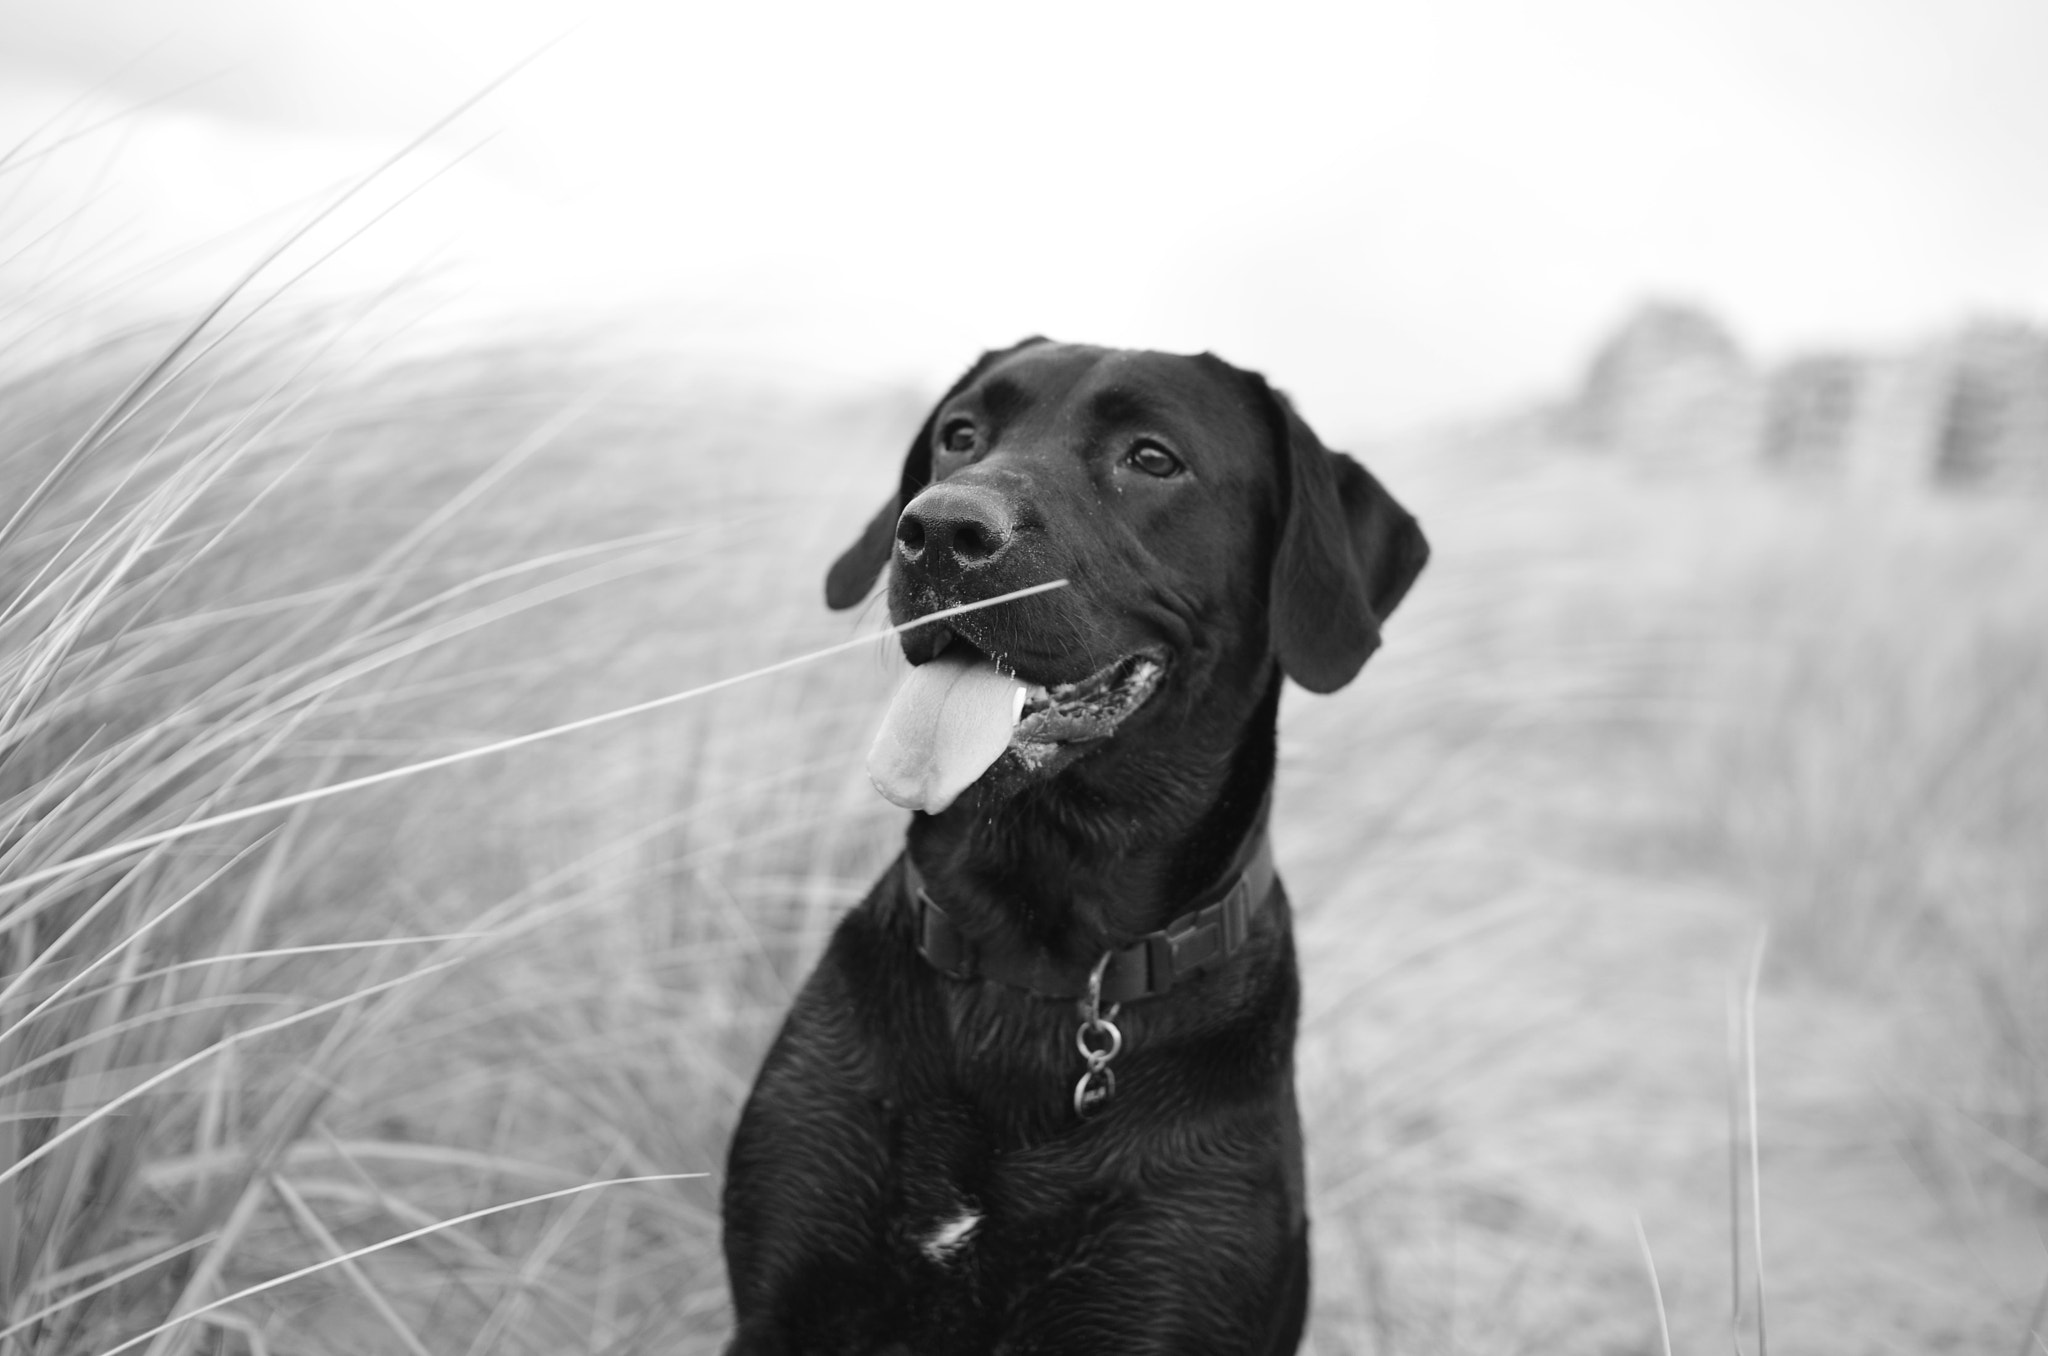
[(949, 1238), (959, 1262), (967, 1206)]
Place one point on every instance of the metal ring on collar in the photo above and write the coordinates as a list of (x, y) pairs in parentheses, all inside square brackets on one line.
[(1094, 1056)]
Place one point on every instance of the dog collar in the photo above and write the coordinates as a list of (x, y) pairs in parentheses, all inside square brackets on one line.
[(1194, 942)]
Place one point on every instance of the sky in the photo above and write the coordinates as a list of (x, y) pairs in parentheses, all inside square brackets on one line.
[(1400, 213)]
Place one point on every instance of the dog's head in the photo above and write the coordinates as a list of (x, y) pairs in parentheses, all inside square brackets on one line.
[(1206, 532)]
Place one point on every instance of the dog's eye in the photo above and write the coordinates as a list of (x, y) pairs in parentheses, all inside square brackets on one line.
[(1155, 460), (959, 437)]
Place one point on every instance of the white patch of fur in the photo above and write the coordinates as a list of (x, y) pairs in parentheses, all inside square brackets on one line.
[(951, 1236)]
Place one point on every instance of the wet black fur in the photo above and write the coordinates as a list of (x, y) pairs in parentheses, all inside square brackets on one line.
[(896, 1099)]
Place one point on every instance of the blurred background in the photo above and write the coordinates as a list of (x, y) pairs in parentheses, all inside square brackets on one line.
[(378, 381), (1405, 212)]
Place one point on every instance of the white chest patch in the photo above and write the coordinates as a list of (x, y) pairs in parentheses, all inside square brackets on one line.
[(951, 1236)]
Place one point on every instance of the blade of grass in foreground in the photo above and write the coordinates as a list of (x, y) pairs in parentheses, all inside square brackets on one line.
[(1656, 1286), (29, 971), (157, 1259), (1744, 1152), (108, 1108), (328, 1243), (1756, 1186), (186, 830), (408, 1237), (271, 953), (141, 386)]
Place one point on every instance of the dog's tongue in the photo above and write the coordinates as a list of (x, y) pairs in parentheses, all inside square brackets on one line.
[(949, 721)]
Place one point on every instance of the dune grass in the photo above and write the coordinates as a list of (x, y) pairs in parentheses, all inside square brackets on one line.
[(1873, 769), (1667, 712), (1628, 721), (239, 1053)]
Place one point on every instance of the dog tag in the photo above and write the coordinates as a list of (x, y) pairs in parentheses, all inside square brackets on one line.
[(948, 722)]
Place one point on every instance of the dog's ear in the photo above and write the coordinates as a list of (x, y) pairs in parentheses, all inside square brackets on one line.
[(854, 573), (1347, 554)]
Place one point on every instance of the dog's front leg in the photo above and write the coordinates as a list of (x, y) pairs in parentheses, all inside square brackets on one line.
[(1215, 1270), (804, 1189)]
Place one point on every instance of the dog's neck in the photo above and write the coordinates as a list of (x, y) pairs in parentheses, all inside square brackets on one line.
[(1112, 847)]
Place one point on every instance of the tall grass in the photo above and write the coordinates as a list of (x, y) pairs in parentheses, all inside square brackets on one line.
[(1874, 765), (242, 1052), (1624, 721)]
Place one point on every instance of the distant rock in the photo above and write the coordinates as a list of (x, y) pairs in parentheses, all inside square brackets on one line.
[(1672, 387), (1811, 411), (1994, 425)]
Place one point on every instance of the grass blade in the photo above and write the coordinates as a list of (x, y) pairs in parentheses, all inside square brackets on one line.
[(1656, 1287), (91, 859), (328, 1243), (1735, 1165), (406, 1237), (226, 1042), (1756, 1186)]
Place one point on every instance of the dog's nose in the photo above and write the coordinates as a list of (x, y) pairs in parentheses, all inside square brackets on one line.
[(954, 527)]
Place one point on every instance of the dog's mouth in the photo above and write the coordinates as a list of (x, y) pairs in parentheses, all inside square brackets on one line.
[(1088, 708), (960, 711)]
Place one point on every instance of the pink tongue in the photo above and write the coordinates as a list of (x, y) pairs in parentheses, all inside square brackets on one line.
[(949, 721)]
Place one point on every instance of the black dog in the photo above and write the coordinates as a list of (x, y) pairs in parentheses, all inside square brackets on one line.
[(960, 1142)]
